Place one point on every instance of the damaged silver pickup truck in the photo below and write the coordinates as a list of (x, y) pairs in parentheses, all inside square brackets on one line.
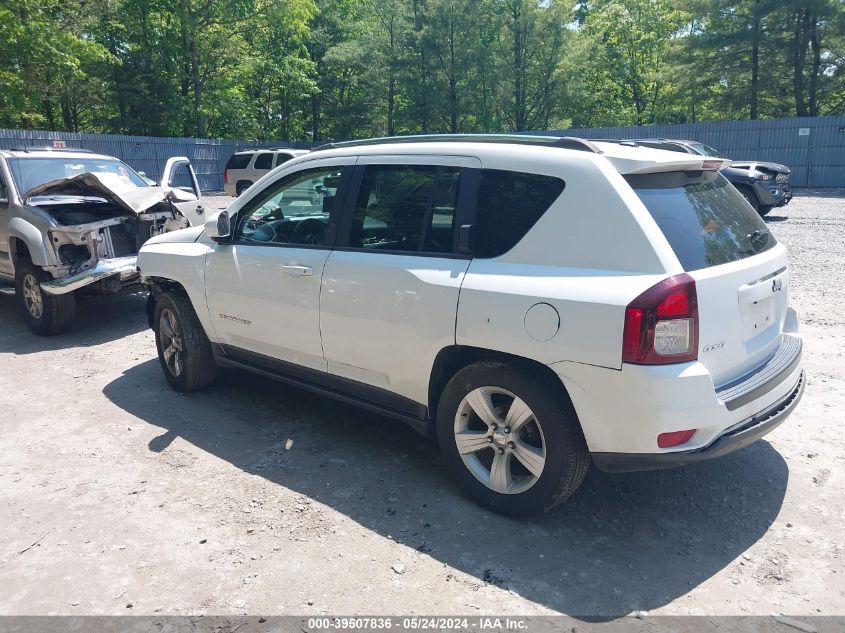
[(71, 223)]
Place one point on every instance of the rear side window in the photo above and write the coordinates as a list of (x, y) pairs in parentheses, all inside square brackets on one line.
[(263, 161), (705, 219), (509, 204), (238, 161), (282, 158)]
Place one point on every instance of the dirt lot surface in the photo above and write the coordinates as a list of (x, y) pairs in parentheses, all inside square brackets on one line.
[(120, 496)]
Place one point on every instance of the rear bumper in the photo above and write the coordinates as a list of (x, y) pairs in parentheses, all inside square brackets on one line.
[(734, 438), (622, 412), (124, 268)]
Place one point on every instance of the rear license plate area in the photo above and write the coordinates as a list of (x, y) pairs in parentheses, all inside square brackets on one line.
[(758, 316)]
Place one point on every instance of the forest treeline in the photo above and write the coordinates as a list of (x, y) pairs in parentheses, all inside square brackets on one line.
[(336, 69)]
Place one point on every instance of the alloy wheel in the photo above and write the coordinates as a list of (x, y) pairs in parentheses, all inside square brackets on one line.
[(32, 296), (172, 342), (500, 440)]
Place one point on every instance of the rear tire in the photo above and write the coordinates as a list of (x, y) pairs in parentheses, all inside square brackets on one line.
[(184, 350), (531, 458), (242, 186), (45, 314), (764, 210)]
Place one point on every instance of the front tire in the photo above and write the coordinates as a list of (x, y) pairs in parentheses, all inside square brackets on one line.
[(184, 350), (749, 195), (45, 314), (511, 438)]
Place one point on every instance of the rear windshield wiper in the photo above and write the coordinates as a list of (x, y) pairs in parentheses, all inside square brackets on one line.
[(758, 238)]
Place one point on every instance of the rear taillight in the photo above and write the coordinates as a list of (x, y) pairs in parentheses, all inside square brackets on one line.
[(661, 325), (225, 176)]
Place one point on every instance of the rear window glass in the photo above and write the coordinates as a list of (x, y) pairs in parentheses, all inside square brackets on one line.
[(705, 219), (264, 161), (509, 204), (282, 158), (238, 161)]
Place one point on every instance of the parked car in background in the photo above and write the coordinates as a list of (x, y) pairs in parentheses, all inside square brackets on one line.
[(245, 167), (531, 302), (765, 185), (72, 222)]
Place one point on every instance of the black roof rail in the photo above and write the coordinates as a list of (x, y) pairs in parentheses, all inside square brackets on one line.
[(30, 148), (268, 149), (565, 142), (619, 141)]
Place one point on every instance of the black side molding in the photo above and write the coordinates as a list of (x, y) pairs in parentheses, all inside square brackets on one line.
[(351, 392)]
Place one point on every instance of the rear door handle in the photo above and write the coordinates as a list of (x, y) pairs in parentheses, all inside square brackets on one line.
[(298, 271), (200, 210)]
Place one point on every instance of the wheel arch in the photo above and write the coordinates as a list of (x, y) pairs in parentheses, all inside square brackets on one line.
[(158, 286), (450, 360), (28, 237)]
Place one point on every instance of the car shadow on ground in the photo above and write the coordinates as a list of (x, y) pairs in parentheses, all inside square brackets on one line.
[(622, 543), (98, 320), (775, 218)]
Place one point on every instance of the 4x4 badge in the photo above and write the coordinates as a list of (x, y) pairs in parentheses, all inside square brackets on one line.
[(777, 285)]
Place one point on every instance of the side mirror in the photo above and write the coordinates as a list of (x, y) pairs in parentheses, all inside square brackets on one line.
[(218, 227)]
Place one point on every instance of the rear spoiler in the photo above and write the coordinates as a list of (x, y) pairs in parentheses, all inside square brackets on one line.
[(641, 160)]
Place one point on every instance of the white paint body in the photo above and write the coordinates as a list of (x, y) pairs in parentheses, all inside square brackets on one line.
[(558, 297)]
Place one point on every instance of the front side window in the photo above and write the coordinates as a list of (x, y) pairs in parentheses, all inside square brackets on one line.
[(264, 161), (183, 179), (509, 204), (409, 208), (706, 221), (294, 210)]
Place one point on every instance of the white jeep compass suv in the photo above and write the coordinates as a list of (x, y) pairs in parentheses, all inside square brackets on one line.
[(534, 303)]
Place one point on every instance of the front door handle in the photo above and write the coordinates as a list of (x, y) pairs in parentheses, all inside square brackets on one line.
[(298, 271)]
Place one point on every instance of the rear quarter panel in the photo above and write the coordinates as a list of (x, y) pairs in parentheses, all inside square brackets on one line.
[(588, 256)]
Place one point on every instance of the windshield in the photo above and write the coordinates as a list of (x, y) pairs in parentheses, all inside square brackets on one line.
[(705, 150), (706, 221), (31, 172)]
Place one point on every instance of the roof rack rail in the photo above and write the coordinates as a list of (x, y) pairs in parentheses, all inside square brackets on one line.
[(30, 148), (565, 142), (618, 141)]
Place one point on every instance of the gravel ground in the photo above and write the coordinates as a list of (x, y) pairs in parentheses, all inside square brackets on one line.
[(120, 496)]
